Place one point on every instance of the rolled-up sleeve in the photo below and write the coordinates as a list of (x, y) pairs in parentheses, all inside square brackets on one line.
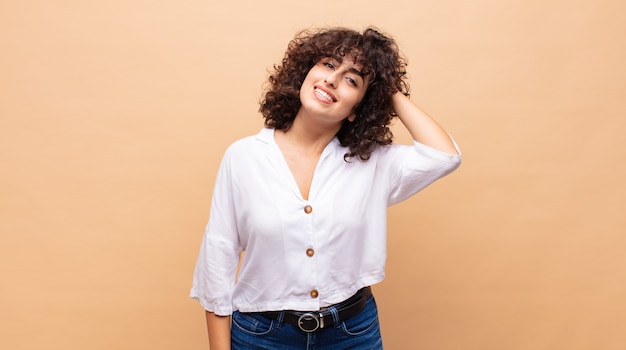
[(414, 167)]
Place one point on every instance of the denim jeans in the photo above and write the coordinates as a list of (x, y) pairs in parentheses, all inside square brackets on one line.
[(253, 331)]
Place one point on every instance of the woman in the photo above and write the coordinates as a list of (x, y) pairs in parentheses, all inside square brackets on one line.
[(306, 198)]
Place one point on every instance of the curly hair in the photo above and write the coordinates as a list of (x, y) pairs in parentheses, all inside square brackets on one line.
[(379, 57)]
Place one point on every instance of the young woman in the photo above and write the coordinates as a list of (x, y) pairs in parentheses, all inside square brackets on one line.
[(306, 198)]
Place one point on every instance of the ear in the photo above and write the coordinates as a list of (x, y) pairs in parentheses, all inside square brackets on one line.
[(351, 117)]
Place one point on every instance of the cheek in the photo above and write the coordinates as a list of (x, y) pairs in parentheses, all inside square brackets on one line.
[(313, 74), (356, 100)]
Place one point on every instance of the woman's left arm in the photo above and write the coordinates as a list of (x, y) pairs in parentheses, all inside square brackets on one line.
[(421, 126)]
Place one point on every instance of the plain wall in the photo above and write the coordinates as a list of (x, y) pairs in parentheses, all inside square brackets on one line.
[(114, 116)]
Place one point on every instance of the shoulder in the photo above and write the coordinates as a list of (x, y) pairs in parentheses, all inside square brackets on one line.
[(251, 144), (250, 151), (416, 149)]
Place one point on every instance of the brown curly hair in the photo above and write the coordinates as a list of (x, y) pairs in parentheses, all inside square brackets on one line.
[(379, 57)]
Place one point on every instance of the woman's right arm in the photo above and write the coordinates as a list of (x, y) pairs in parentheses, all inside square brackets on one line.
[(219, 331)]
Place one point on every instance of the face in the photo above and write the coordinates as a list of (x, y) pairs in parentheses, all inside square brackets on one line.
[(332, 89)]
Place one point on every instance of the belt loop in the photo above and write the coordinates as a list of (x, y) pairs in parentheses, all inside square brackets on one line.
[(336, 320), (279, 320)]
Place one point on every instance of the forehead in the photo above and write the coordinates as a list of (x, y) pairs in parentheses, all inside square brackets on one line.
[(355, 56), (348, 61)]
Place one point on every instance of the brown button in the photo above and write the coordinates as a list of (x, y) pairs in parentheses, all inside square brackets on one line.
[(308, 209), (314, 294), (310, 252)]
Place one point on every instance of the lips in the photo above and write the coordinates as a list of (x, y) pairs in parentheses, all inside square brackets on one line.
[(324, 95)]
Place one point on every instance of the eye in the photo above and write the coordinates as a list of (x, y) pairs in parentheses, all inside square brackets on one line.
[(329, 65), (352, 81)]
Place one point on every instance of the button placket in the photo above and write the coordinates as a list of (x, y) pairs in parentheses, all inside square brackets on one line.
[(310, 251)]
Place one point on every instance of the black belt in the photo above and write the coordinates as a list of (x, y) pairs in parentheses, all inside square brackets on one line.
[(314, 320)]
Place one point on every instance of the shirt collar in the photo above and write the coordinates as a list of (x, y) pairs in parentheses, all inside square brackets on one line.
[(266, 135)]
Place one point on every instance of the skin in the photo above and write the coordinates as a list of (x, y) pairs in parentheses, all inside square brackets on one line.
[(342, 82), (317, 122), (219, 331), (330, 92)]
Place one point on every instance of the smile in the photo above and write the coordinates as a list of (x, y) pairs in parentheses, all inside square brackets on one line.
[(324, 95)]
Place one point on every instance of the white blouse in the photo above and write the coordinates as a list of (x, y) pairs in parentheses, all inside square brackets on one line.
[(303, 254)]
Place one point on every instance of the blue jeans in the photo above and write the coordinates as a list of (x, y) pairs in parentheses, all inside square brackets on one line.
[(253, 331)]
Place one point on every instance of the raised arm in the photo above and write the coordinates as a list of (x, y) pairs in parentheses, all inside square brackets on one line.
[(421, 126)]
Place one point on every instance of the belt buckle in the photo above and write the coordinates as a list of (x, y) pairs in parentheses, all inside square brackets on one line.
[(308, 317)]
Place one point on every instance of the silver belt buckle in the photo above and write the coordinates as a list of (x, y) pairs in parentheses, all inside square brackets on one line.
[(307, 317)]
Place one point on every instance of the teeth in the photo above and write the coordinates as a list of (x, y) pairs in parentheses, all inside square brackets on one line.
[(324, 95)]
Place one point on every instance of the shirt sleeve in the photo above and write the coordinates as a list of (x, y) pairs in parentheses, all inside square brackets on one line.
[(216, 267), (414, 167)]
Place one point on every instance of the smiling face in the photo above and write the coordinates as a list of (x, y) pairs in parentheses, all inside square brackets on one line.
[(332, 89)]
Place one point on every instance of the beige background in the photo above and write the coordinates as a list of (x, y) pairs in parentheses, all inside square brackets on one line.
[(114, 114)]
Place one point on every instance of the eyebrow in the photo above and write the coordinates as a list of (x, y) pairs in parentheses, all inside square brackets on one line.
[(357, 72), (351, 69)]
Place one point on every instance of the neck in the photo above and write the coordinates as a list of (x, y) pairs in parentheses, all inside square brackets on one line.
[(309, 136)]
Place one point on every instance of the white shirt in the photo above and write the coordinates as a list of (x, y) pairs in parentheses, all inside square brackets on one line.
[(303, 254)]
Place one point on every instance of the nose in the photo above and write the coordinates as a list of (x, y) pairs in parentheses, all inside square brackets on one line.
[(331, 79)]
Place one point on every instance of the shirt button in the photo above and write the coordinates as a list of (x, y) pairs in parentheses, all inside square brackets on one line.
[(308, 209), (314, 294), (310, 252)]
